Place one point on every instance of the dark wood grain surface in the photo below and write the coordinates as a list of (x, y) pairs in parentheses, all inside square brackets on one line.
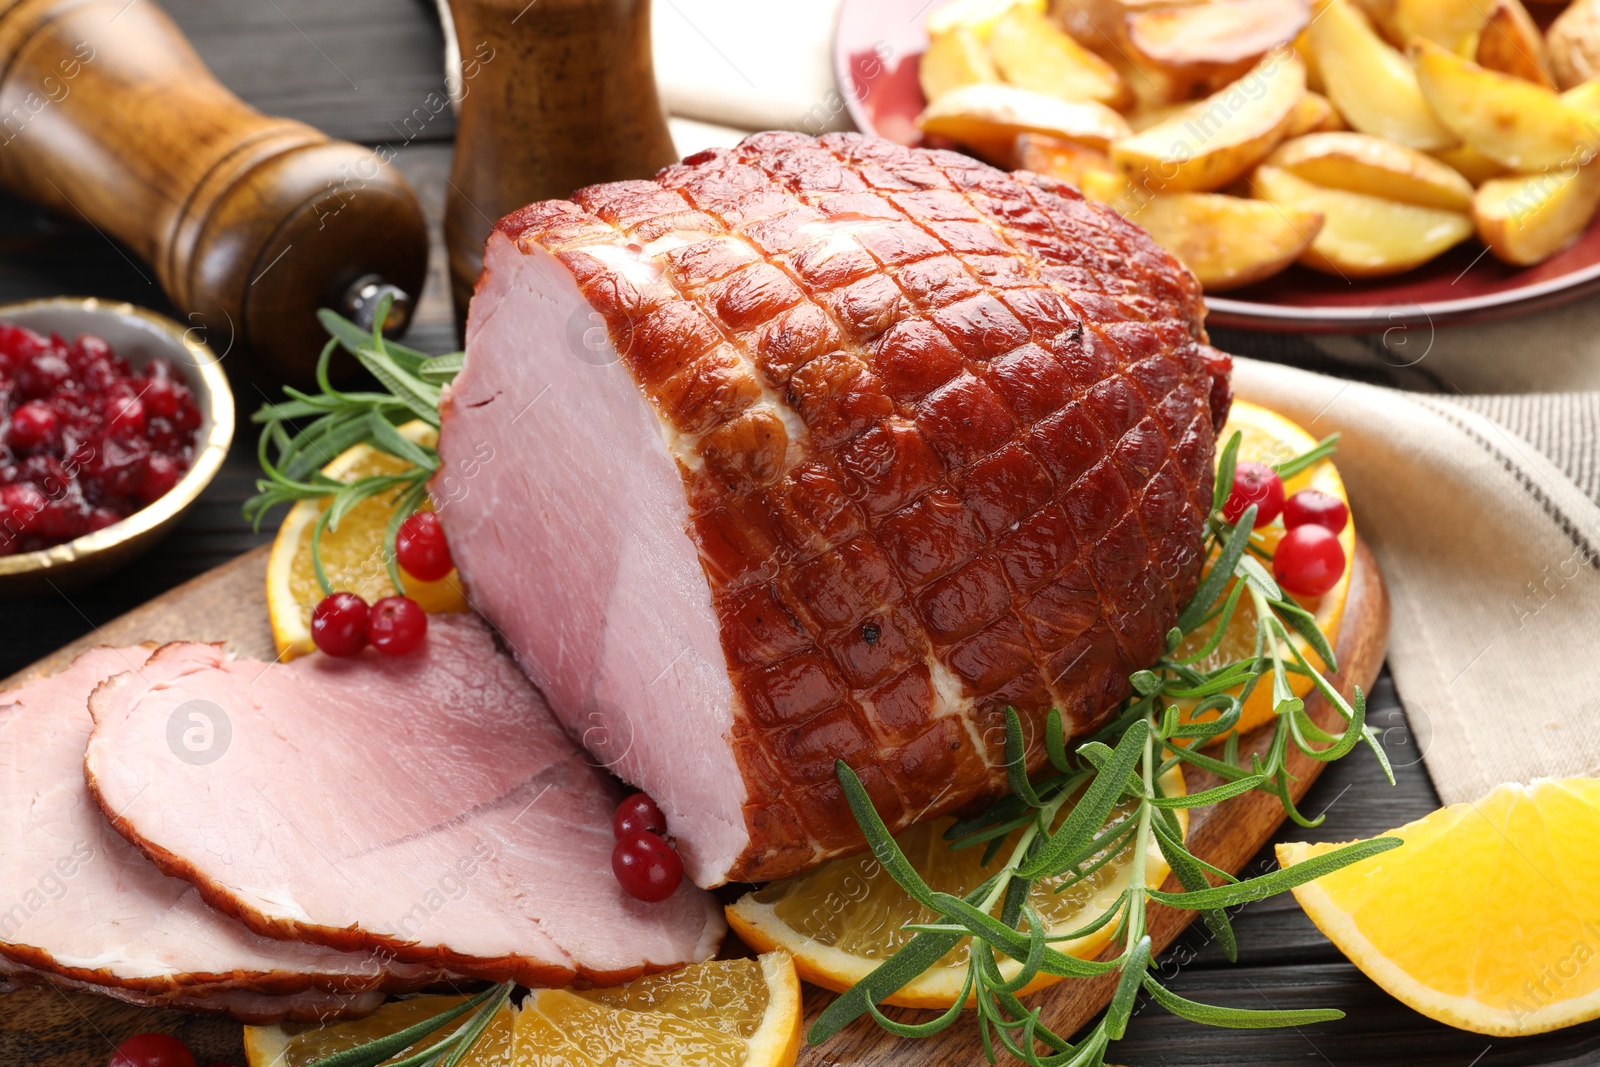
[(364, 69)]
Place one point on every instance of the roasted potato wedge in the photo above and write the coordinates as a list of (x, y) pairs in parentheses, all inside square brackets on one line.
[(1574, 43), (1511, 43), (1450, 23), (978, 16), (1030, 52), (987, 119), (1219, 138), (1090, 170), (1221, 35), (1314, 114), (1362, 163), (1066, 160), (1371, 84), (953, 59), (1470, 163), (1362, 236), (1523, 126), (1531, 217), (1226, 240)]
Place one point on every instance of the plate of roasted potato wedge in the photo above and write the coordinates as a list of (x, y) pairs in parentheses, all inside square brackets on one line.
[(1318, 164)]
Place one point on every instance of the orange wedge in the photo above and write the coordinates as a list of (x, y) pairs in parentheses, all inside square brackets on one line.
[(847, 916), (352, 553), (722, 1013), (1487, 918)]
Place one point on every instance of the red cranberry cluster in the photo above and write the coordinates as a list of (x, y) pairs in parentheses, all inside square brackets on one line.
[(84, 440), (342, 624), (1309, 560), (643, 860)]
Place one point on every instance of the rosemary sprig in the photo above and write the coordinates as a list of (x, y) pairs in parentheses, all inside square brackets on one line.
[(1122, 764), (303, 434), (447, 1052)]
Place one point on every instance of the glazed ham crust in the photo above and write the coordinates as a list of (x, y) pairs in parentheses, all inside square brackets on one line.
[(946, 439)]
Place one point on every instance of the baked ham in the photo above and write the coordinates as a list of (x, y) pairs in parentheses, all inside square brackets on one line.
[(86, 909), (425, 806), (818, 450)]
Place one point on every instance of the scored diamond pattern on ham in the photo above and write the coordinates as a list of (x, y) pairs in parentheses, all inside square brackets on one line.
[(830, 449)]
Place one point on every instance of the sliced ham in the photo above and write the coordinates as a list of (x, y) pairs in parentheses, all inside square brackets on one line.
[(254, 1009), (84, 906), (809, 451), (427, 806)]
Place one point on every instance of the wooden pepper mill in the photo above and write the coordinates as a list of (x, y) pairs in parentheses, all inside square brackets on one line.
[(554, 95), (250, 223)]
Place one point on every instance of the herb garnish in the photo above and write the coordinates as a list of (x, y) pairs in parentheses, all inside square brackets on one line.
[(1123, 762), (293, 454)]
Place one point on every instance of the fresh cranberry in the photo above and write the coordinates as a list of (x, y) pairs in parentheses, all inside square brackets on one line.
[(161, 473), (1309, 560), (1313, 507), (125, 416), (420, 547), (1258, 484), (42, 375), (397, 625), (21, 507), (34, 427), (635, 813), (339, 624), (152, 1050), (117, 468), (160, 398), (646, 866)]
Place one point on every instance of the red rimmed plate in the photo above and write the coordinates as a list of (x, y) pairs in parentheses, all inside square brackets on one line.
[(876, 49)]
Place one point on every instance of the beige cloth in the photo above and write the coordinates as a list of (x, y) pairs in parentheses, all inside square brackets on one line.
[(1491, 551)]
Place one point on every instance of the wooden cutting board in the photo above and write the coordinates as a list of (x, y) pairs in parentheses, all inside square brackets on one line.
[(45, 1027)]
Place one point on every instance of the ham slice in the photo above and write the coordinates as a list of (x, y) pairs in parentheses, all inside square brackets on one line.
[(426, 806), (817, 450), (253, 1009), (85, 908)]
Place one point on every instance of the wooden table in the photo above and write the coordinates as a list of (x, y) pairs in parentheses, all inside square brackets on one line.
[(364, 70)]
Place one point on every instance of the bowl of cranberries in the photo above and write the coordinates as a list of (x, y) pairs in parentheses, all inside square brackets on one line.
[(112, 421)]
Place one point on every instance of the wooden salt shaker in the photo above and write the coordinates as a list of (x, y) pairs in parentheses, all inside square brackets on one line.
[(554, 95)]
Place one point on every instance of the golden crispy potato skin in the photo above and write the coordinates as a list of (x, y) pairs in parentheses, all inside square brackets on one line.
[(1360, 163), (1032, 53), (1520, 125), (1222, 35), (1220, 138), (1511, 43), (1227, 241), (1574, 42), (1371, 84), (1363, 236), (1530, 217), (988, 118), (954, 58)]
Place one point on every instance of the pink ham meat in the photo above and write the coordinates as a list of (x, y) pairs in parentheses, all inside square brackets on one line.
[(818, 450), (85, 908), (426, 806)]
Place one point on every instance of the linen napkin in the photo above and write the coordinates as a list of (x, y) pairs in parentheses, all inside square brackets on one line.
[(1484, 515)]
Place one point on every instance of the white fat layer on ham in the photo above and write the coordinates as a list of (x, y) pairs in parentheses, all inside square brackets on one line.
[(429, 801), (577, 546), (81, 900)]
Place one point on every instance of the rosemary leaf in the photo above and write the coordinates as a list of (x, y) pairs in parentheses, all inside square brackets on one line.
[(1266, 885), (1235, 1018)]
